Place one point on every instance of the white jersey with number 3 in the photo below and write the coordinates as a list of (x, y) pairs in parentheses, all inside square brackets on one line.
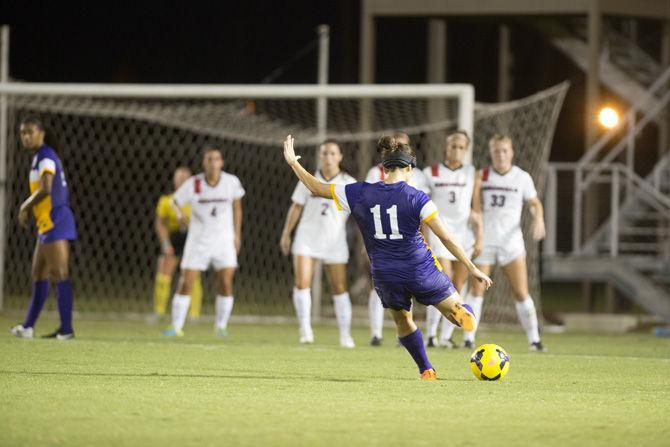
[(321, 231), (503, 196), (211, 205)]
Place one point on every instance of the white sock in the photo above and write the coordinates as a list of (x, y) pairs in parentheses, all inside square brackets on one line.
[(376, 314), (446, 330), (342, 304), (302, 301), (476, 303), (527, 314), (180, 304), (224, 307), (432, 321)]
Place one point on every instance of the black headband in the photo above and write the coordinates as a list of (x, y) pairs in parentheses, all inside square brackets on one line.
[(399, 159)]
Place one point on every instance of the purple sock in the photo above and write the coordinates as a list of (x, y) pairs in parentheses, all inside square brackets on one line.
[(64, 297), (37, 300), (414, 345)]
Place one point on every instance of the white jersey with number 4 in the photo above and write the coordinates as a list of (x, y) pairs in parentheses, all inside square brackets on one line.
[(503, 196), (451, 190), (418, 179), (321, 232), (211, 231)]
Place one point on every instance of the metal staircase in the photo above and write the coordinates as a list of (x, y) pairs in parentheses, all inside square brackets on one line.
[(631, 247), (625, 68)]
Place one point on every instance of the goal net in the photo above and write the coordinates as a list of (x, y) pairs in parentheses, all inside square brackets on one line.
[(120, 147)]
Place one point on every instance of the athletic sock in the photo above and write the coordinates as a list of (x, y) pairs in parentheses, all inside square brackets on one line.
[(180, 305), (37, 299), (64, 299), (432, 321), (224, 307), (446, 330), (302, 301), (476, 302), (414, 345), (375, 314), (162, 286), (196, 299), (527, 314), (342, 304)]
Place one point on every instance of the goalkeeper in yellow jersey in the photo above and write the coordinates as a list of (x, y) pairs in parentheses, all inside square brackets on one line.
[(172, 237)]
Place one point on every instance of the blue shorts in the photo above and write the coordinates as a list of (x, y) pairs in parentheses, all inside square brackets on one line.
[(428, 289), (64, 227)]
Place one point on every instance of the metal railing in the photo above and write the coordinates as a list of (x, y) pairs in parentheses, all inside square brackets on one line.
[(623, 182)]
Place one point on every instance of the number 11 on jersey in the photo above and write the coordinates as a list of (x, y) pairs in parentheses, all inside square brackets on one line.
[(393, 217)]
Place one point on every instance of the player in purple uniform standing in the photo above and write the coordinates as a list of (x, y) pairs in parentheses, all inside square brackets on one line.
[(389, 214), (50, 203)]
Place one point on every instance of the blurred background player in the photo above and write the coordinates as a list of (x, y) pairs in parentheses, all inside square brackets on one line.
[(389, 215), (420, 182), (504, 190), (321, 235), (214, 238), (172, 237), (452, 185), (50, 203)]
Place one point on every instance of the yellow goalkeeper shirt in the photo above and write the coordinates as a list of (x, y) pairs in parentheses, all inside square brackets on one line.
[(164, 211)]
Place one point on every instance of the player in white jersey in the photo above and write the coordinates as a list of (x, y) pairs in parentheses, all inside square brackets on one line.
[(214, 237), (321, 235), (452, 186), (418, 181), (504, 190)]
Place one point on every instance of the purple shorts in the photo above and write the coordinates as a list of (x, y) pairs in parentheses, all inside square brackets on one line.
[(64, 227), (428, 289)]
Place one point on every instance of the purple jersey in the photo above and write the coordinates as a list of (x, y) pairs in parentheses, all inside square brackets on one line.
[(389, 216)]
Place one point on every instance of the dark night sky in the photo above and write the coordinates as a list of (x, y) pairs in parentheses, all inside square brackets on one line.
[(244, 41)]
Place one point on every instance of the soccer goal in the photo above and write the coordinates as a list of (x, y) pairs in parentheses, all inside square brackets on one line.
[(121, 143)]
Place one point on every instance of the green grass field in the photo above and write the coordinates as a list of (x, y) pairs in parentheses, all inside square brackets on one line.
[(121, 384)]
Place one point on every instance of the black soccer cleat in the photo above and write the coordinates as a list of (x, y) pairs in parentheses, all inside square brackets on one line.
[(376, 341), (60, 335), (467, 344), (537, 347), (432, 342)]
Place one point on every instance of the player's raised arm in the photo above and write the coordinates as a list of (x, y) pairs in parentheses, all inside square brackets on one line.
[(455, 248), (315, 186)]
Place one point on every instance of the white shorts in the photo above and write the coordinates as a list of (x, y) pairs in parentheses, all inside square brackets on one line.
[(501, 254), (466, 240), (199, 254), (337, 254)]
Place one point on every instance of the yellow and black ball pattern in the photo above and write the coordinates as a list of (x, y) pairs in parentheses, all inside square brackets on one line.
[(489, 362)]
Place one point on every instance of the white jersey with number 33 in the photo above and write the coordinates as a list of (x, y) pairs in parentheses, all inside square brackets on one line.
[(503, 196), (211, 205)]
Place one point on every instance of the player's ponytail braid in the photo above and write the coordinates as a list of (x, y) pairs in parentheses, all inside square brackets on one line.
[(395, 154)]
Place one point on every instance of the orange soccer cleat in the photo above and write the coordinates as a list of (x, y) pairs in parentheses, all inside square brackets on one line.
[(429, 374)]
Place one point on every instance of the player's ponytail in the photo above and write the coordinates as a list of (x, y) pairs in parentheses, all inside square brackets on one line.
[(395, 154)]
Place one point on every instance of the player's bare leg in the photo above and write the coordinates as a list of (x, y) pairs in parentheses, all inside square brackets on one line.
[(517, 275), (57, 258), (453, 309), (410, 337), (39, 295), (475, 299), (459, 278), (337, 276), (224, 299), (181, 302), (433, 316), (303, 269)]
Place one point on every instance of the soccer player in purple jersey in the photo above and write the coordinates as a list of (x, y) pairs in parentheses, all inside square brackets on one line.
[(389, 214), (49, 202)]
